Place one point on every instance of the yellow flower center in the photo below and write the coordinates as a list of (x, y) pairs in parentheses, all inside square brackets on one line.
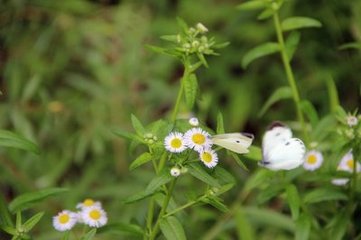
[(350, 163), (198, 138), (312, 159), (64, 218), (207, 157), (176, 143), (88, 202), (95, 214)]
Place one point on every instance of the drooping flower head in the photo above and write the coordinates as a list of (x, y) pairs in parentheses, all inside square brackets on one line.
[(88, 203), (346, 164), (175, 171), (194, 122)]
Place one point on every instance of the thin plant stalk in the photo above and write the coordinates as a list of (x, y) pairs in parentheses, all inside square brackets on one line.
[(289, 74)]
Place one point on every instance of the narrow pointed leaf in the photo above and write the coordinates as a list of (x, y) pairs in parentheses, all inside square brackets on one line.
[(293, 200), (220, 124), (259, 51), (332, 94), (89, 235), (279, 94), (172, 229), (310, 111), (299, 22), (142, 159), (137, 125), (303, 227), (291, 43), (5, 218), (267, 13), (198, 172), (25, 200), (120, 227), (324, 194), (29, 224), (14, 140), (252, 5)]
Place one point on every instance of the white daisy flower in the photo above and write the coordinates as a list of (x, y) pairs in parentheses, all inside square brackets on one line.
[(209, 157), (347, 163), (313, 160), (65, 220), (174, 142), (94, 216), (175, 172), (88, 203), (197, 139), (194, 122)]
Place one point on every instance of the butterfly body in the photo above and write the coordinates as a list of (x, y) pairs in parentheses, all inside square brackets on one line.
[(236, 142), (280, 150)]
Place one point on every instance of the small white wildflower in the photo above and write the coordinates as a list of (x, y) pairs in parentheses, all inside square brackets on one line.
[(197, 139), (351, 121), (313, 160), (340, 181), (209, 157), (194, 122), (88, 203), (346, 164), (174, 142), (201, 28), (175, 171), (65, 220), (94, 216)]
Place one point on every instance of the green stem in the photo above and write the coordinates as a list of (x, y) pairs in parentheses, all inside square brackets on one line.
[(289, 74), (149, 217), (163, 210), (179, 98), (182, 207)]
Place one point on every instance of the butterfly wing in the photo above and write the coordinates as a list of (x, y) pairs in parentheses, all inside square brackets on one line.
[(275, 135), (236, 142), (285, 155)]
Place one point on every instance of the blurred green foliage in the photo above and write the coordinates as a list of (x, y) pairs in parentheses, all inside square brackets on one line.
[(72, 70)]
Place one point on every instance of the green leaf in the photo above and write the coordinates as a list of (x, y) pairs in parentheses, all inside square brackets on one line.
[(172, 229), (279, 94), (220, 124), (267, 13), (352, 45), (332, 94), (142, 159), (252, 5), (259, 51), (171, 38), (190, 90), (5, 218), (238, 160), (310, 111), (120, 227), (257, 179), (137, 125), (299, 22), (89, 235), (30, 223), (270, 192), (303, 227), (66, 235), (152, 187), (216, 202), (255, 153), (338, 225), (202, 59), (157, 49), (182, 24), (323, 194), (291, 44), (244, 228), (269, 218), (128, 135), (10, 230), (10, 139), (25, 200), (198, 172), (293, 200)]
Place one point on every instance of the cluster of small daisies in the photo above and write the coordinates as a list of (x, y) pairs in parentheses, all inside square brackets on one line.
[(314, 160), (196, 139), (89, 213)]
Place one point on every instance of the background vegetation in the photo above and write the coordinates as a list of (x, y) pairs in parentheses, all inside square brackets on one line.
[(73, 70)]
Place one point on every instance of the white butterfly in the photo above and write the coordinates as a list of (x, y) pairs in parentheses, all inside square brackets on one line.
[(236, 142), (280, 151)]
